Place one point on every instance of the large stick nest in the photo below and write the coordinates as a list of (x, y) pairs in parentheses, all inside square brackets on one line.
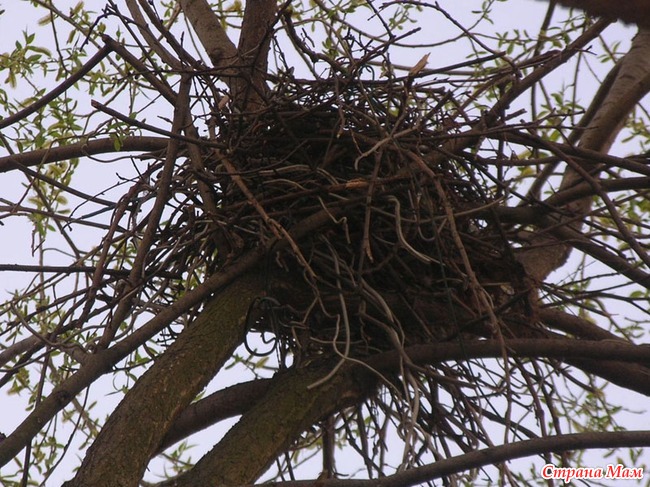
[(405, 257)]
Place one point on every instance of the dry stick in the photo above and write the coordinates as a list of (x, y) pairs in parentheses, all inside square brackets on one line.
[(13, 210), (139, 263), (151, 128), (277, 229), (72, 269), (64, 187), (160, 86), (150, 39), (345, 355), (457, 143), (101, 266), (485, 301), (225, 249)]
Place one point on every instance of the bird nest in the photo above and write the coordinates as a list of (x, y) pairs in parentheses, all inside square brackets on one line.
[(410, 253)]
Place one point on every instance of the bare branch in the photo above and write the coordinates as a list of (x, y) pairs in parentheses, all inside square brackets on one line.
[(489, 456), (220, 405), (81, 149)]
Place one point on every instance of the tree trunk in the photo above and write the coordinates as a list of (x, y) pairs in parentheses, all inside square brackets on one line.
[(136, 428)]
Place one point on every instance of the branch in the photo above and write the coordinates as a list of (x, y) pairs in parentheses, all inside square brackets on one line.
[(240, 398), (82, 149), (220, 49), (103, 361), (489, 456), (242, 68), (630, 11), (632, 83), (160, 85), (21, 346), (150, 38), (136, 428), (61, 88), (291, 399), (561, 348), (614, 360), (223, 404), (253, 49), (575, 325)]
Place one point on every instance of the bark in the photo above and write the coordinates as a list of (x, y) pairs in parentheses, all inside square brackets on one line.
[(220, 49), (136, 428), (226, 403), (267, 429), (253, 48)]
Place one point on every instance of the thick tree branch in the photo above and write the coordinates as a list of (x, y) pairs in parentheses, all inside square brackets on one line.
[(220, 49), (242, 68), (253, 49), (258, 438), (136, 428), (240, 398), (223, 404), (87, 148), (630, 11), (103, 361), (150, 38)]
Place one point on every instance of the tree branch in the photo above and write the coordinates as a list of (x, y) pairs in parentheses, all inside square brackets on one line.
[(630, 11), (489, 456), (220, 49), (242, 68), (136, 428), (632, 82), (258, 438), (82, 149), (61, 88), (253, 49), (223, 404)]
